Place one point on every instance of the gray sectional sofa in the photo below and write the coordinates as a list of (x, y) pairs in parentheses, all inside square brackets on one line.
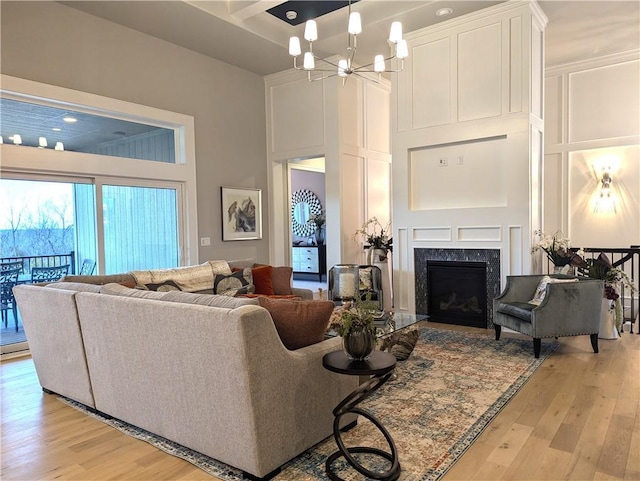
[(216, 379)]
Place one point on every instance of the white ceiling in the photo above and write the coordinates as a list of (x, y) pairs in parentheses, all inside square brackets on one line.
[(241, 33)]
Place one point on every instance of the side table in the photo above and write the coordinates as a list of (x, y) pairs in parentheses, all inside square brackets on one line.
[(379, 366)]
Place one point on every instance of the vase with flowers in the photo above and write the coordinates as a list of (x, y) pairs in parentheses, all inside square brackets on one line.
[(558, 250), (614, 279), (354, 321), (319, 221), (377, 239)]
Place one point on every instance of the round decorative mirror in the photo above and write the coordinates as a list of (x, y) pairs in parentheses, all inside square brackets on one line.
[(304, 205)]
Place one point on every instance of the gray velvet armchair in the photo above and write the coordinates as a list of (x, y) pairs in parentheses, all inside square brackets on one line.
[(568, 309)]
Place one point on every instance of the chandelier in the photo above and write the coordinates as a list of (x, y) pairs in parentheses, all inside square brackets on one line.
[(346, 66)]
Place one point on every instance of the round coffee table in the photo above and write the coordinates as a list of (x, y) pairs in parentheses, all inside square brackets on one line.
[(379, 366)]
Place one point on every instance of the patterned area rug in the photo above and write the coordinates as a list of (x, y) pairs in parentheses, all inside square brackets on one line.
[(437, 404)]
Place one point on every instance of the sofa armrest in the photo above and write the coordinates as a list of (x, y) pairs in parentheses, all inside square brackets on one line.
[(304, 293)]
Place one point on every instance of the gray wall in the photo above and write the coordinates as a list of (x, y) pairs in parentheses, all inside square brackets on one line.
[(50, 43)]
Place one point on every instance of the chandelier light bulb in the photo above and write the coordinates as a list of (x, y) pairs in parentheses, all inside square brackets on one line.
[(42, 142), (294, 46), (311, 31), (378, 64), (59, 146), (309, 61), (395, 34), (17, 139), (342, 67), (355, 23), (402, 49)]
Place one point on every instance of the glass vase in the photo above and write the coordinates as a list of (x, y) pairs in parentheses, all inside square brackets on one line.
[(358, 343)]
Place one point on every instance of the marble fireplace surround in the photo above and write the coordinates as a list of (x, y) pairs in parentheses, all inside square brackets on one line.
[(491, 257)]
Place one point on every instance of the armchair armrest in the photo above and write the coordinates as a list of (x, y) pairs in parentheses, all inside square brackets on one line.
[(569, 309)]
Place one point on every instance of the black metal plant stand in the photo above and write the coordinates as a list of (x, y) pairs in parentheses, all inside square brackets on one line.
[(379, 366)]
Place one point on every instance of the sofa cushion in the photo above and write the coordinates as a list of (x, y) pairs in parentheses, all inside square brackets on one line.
[(299, 323), (541, 290), (75, 286), (520, 310), (241, 263), (239, 282), (262, 280), (226, 302), (119, 290)]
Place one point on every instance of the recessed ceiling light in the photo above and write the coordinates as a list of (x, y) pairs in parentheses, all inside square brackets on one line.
[(56, 129), (291, 14), (443, 12), (70, 120)]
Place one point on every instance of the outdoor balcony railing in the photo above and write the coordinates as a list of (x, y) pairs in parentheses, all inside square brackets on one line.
[(52, 260)]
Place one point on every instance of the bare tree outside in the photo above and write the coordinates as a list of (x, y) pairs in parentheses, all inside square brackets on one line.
[(34, 221)]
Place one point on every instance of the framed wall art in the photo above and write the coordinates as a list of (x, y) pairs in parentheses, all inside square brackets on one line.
[(241, 213)]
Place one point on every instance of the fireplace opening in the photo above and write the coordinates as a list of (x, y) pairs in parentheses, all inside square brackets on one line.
[(457, 292)]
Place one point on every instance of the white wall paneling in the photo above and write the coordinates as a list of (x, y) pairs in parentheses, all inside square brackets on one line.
[(479, 233), (464, 153), (377, 106), (459, 176), (431, 83), (515, 256), (515, 61), (593, 118), (614, 111), (432, 234), (403, 275), (553, 109), (351, 114), (480, 73), (352, 205), (349, 126)]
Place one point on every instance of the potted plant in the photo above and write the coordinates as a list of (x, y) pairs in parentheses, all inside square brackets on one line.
[(377, 239), (354, 321), (558, 251), (319, 221)]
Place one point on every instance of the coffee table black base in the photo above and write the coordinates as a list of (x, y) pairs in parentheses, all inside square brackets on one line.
[(386, 476), (381, 369)]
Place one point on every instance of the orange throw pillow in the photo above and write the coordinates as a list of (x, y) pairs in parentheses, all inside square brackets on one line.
[(299, 323), (262, 280)]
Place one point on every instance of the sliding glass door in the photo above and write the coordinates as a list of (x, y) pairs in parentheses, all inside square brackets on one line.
[(56, 221), (140, 227)]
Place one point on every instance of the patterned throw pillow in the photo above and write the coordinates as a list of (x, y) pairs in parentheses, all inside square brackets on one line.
[(239, 282), (165, 286)]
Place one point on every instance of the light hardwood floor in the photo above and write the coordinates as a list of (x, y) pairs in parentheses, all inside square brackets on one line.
[(577, 418)]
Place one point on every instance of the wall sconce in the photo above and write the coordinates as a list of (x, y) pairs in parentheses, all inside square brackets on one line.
[(42, 142), (605, 201), (59, 146), (17, 139)]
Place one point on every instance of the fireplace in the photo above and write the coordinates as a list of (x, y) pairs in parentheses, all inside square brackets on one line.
[(457, 292), (457, 286)]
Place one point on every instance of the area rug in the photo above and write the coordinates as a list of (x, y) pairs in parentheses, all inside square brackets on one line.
[(437, 404)]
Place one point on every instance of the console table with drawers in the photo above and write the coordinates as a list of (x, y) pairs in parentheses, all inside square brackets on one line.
[(310, 260)]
